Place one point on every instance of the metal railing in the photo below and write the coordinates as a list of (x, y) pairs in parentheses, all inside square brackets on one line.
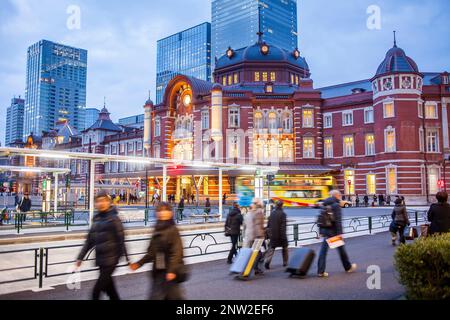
[(42, 260), (40, 219)]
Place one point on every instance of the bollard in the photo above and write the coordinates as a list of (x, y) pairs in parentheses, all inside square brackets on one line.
[(370, 225), (296, 234)]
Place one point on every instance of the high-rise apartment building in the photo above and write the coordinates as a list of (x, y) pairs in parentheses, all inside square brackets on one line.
[(14, 121)]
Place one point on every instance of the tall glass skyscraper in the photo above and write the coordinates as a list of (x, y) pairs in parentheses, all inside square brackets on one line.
[(55, 87), (14, 121), (187, 52), (91, 115), (235, 23)]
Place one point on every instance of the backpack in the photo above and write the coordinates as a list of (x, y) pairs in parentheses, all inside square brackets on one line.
[(326, 219)]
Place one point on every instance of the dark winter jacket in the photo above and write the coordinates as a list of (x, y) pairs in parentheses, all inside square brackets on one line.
[(165, 249), (234, 222), (400, 215), (107, 237), (439, 216), (25, 205), (336, 229), (277, 228)]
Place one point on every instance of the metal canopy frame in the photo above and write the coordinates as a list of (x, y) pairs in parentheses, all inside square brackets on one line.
[(94, 158)]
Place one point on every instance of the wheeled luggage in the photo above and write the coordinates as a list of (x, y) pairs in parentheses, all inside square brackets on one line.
[(300, 262), (245, 263), (410, 233)]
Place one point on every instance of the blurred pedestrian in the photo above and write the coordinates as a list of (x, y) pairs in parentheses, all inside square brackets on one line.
[(207, 206), (224, 199), (400, 220), (439, 215), (375, 200), (180, 209), (256, 231), (334, 230), (366, 200), (388, 200), (276, 229), (233, 229), (108, 238), (25, 206), (357, 201), (193, 198), (166, 253)]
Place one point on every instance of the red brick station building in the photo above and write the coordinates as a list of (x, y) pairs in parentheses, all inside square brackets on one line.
[(385, 135)]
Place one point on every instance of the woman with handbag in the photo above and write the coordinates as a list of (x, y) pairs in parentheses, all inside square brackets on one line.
[(166, 253), (233, 229), (400, 220)]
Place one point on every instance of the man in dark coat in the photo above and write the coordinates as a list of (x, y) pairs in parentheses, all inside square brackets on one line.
[(166, 253), (25, 206), (180, 209), (233, 229), (277, 234), (108, 238), (439, 214), (336, 229)]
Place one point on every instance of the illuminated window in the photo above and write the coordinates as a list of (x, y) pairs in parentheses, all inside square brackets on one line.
[(328, 148), (389, 110), (233, 147), (273, 76), (328, 120), (368, 115), (292, 78), (269, 88), (297, 80), (224, 80), (371, 184), (431, 111), (230, 80), (370, 144), (390, 140), (432, 141), (433, 178), (391, 178), (308, 118), (287, 151), (236, 78), (349, 146), (347, 118), (349, 180), (308, 148), (259, 121), (265, 77), (273, 121), (257, 77)]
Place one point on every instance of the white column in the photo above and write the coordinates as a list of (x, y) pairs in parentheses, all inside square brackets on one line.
[(220, 193), (445, 133), (164, 191), (55, 204), (91, 191)]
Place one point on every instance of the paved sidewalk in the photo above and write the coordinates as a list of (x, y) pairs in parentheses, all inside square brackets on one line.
[(211, 280)]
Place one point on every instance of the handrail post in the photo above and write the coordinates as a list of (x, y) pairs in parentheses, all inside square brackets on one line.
[(145, 216), (41, 267), (370, 225), (296, 234)]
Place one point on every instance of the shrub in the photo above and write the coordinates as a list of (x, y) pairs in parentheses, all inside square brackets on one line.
[(424, 268)]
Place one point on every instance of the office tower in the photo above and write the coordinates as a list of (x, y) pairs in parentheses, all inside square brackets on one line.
[(187, 52), (235, 24), (55, 87), (14, 121), (91, 117), (136, 121)]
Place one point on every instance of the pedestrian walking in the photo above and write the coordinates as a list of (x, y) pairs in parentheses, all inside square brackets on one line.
[(381, 200), (357, 201), (224, 199), (166, 253), (388, 200), (375, 200), (233, 229), (207, 206), (180, 209), (439, 215), (400, 220), (256, 231), (276, 232), (193, 198), (366, 200), (332, 205), (25, 206), (108, 238)]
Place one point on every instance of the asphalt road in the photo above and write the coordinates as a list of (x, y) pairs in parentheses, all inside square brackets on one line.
[(210, 280)]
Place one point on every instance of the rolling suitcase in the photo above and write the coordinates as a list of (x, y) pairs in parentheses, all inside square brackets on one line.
[(300, 262), (246, 261)]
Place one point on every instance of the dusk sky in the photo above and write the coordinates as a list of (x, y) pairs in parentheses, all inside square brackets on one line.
[(121, 36)]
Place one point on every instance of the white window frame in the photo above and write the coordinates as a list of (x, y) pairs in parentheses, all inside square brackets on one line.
[(366, 111), (367, 184), (205, 120), (353, 146), (344, 118), (234, 113), (394, 148), (308, 153), (435, 107), (385, 115), (234, 141), (328, 121), (328, 151), (370, 150), (157, 129), (420, 109), (436, 132), (308, 122)]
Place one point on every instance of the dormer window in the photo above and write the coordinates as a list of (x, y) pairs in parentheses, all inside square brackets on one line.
[(265, 49), (269, 88), (265, 77), (273, 76), (257, 77)]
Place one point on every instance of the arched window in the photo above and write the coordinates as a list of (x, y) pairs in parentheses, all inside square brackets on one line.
[(259, 120), (273, 121)]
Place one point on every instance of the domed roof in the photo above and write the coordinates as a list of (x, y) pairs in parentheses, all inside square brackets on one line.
[(396, 60), (255, 53)]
